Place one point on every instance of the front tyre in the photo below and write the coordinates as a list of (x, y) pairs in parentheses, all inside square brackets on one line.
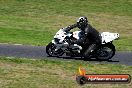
[(52, 51), (105, 52)]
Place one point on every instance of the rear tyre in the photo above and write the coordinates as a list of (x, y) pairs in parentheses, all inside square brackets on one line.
[(52, 51), (105, 52)]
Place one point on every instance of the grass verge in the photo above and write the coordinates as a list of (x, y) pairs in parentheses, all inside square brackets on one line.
[(50, 73), (34, 22)]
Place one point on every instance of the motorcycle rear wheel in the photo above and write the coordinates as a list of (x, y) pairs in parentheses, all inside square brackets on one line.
[(105, 52)]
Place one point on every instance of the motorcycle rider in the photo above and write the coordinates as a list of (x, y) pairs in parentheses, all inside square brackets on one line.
[(89, 36)]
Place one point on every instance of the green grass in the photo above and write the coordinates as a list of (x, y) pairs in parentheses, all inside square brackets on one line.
[(50, 73), (34, 22)]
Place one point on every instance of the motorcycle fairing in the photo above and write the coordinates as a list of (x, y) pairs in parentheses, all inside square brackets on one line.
[(105, 36)]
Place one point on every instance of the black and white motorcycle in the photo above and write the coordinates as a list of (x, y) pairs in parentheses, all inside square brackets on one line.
[(60, 45)]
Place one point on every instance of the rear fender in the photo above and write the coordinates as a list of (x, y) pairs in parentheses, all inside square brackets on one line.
[(109, 37)]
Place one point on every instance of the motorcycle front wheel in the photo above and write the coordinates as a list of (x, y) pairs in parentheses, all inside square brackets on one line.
[(52, 51), (105, 52)]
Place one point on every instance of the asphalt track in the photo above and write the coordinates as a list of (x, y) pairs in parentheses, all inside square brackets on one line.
[(38, 52)]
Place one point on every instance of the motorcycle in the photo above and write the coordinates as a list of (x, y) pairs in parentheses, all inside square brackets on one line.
[(60, 45)]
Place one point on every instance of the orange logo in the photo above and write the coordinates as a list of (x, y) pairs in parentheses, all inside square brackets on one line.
[(83, 78)]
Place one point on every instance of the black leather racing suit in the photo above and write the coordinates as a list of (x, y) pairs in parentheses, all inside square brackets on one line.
[(89, 37)]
